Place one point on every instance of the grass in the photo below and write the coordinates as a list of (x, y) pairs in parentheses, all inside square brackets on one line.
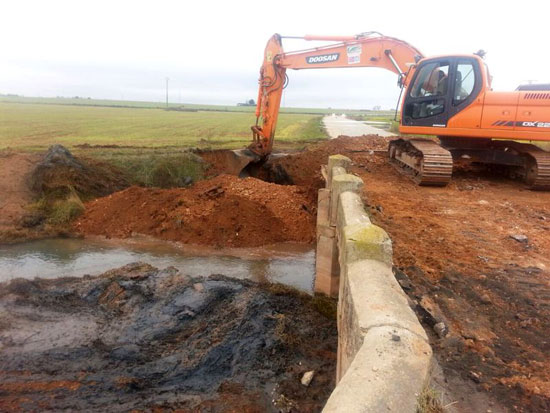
[(160, 169), (36, 126), (429, 402), (63, 212), (57, 210)]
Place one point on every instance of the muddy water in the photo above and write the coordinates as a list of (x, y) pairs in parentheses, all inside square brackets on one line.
[(290, 264)]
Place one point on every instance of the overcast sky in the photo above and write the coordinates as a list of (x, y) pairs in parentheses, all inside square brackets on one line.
[(211, 50)]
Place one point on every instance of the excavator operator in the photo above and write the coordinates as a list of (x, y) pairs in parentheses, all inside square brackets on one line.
[(437, 83)]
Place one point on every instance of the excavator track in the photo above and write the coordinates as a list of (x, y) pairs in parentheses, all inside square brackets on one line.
[(537, 173), (424, 160)]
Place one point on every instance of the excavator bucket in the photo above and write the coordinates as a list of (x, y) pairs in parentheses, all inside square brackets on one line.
[(238, 160)]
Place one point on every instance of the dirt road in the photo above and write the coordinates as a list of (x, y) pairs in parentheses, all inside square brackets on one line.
[(341, 125)]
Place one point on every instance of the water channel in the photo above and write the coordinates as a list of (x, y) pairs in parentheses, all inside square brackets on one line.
[(290, 264)]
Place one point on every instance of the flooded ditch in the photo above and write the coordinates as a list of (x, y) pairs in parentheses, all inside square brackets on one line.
[(291, 264)]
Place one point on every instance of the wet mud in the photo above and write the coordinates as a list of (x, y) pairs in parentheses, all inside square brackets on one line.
[(142, 339)]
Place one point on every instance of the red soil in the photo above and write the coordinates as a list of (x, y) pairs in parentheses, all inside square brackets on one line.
[(15, 193), (224, 211), (455, 244)]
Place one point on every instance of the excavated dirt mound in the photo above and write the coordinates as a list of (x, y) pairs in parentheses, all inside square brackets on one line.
[(59, 170), (473, 255), (224, 211), (142, 339), (54, 176)]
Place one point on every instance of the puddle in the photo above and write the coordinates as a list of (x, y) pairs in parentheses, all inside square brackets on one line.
[(290, 264)]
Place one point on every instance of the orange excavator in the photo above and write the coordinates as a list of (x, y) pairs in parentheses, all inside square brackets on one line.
[(449, 97)]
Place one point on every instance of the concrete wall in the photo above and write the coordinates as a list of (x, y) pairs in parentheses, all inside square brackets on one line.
[(384, 358)]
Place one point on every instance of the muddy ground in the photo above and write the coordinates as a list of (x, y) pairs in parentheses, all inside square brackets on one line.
[(473, 255), (455, 251), (143, 339)]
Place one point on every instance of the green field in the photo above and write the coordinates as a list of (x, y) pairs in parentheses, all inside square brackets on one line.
[(35, 126), (162, 105)]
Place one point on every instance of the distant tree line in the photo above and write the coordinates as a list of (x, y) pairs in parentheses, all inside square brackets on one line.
[(250, 102)]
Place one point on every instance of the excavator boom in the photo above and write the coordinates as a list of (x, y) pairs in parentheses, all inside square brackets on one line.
[(364, 50)]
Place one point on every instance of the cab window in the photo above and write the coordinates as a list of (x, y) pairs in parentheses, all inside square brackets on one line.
[(464, 82), (432, 80)]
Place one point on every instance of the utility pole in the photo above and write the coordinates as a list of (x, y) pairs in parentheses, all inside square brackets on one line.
[(167, 91)]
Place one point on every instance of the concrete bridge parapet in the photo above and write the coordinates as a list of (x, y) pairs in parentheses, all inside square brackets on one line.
[(384, 357)]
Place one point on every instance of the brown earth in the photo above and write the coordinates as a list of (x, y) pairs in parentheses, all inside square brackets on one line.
[(455, 246), (223, 211), (453, 251), (15, 193)]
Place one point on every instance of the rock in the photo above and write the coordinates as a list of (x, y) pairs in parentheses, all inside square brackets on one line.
[(485, 299), (395, 337), (520, 238), (483, 202), (307, 377), (402, 279), (441, 329), (475, 377)]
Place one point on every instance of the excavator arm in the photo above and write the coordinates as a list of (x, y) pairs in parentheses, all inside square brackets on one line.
[(363, 50)]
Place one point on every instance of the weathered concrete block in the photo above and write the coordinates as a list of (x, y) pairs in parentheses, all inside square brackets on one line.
[(327, 269), (337, 161), (336, 171), (323, 223), (351, 210), (358, 238), (350, 335), (387, 374), (364, 241), (378, 299), (341, 184)]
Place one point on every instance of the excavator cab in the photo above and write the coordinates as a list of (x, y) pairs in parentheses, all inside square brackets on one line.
[(439, 89)]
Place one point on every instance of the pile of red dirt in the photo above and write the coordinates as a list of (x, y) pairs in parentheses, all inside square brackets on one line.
[(224, 211)]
